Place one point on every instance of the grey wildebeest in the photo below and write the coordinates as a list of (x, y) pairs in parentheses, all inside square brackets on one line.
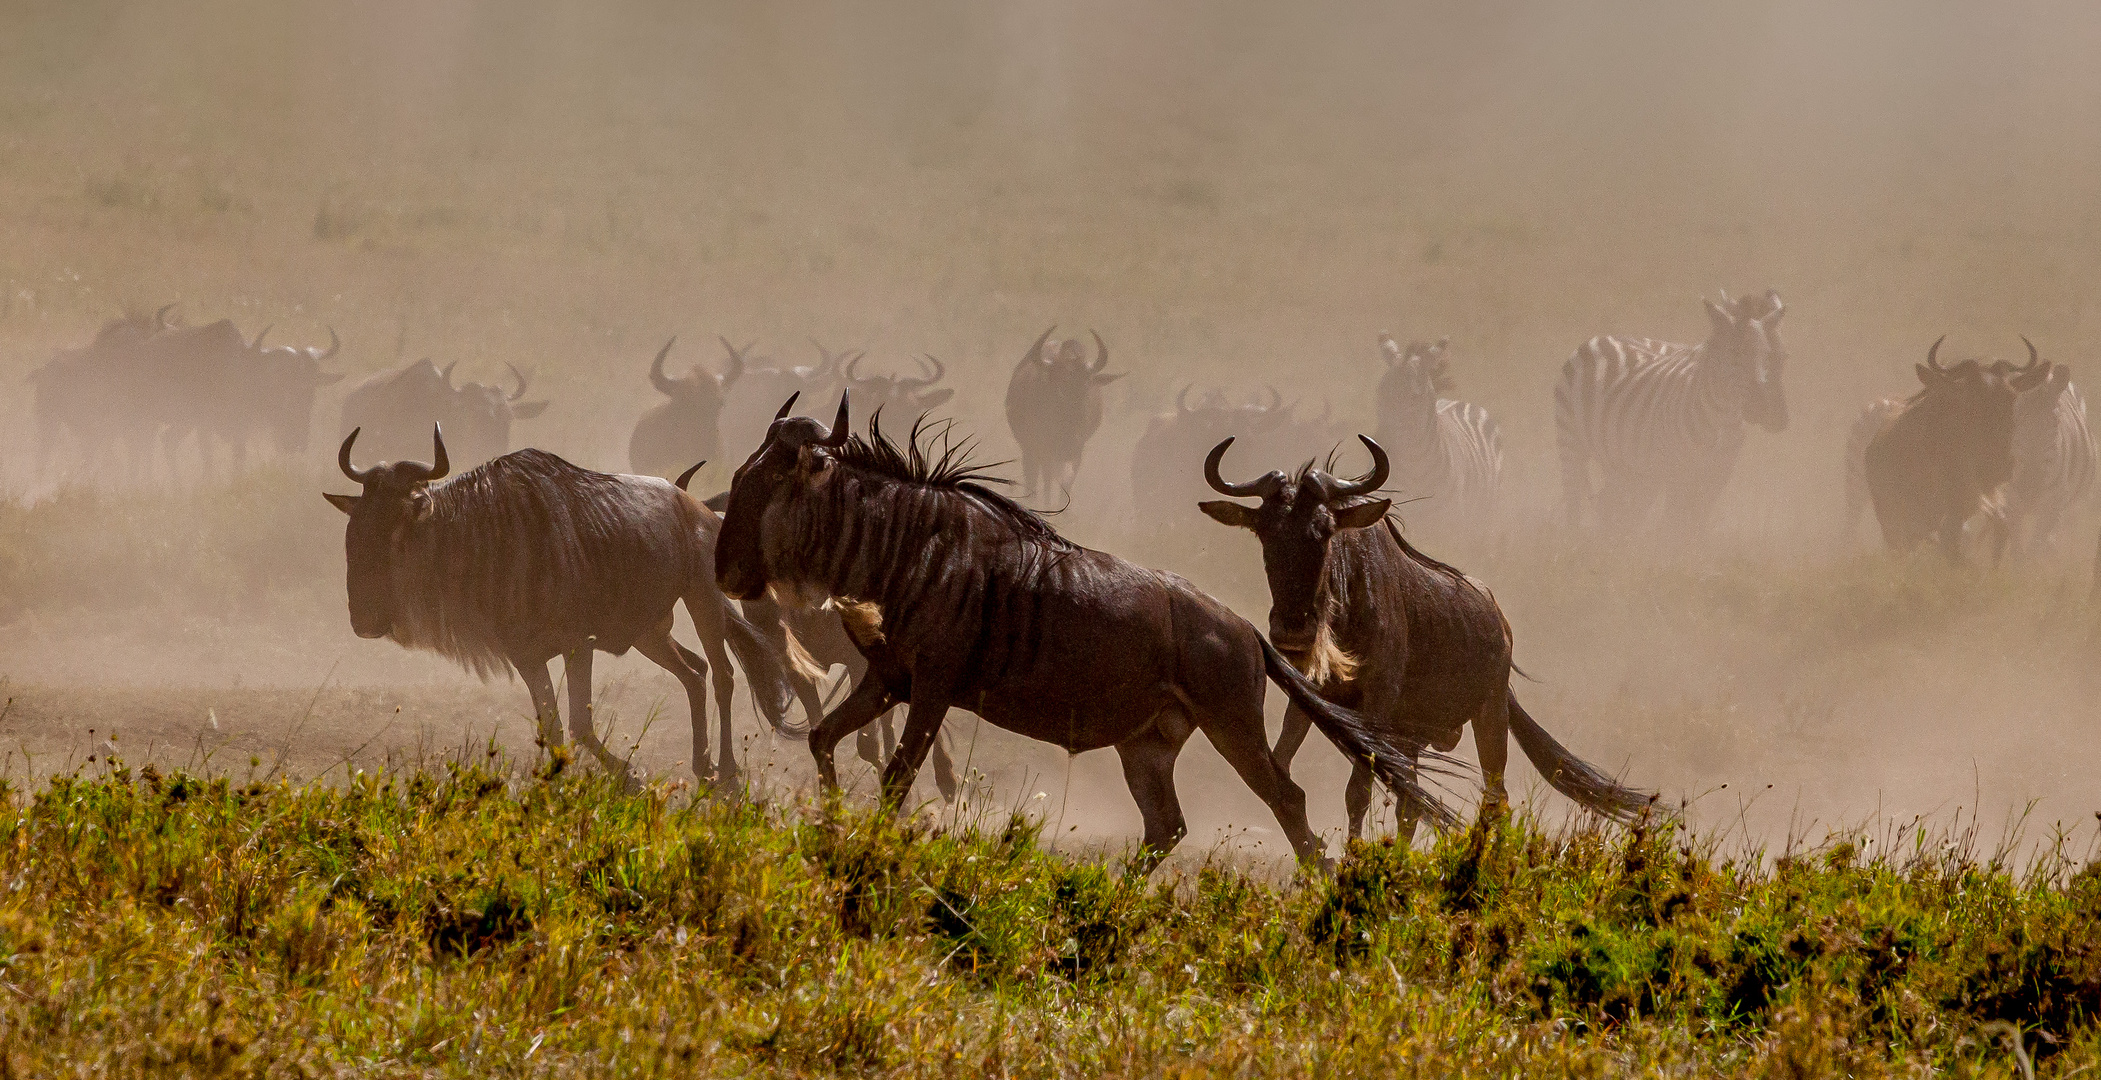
[(1165, 458), (235, 394), (962, 598), (686, 428), (395, 408), (1943, 458), (1446, 451), (901, 395), (527, 557), (1416, 647), (1054, 405), (97, 396), (748, 408), (1664, 421)]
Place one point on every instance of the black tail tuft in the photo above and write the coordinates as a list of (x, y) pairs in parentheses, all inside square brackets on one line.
[(1571, 775), (766, 670), (1397, 763)]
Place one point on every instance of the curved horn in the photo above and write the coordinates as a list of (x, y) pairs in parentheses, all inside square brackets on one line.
[(1260, 487), (335, 345), (736, 365), (343, 459), (1101, 355), (665, 384), (160, 318), (840, 427), (1182, 398), (853, 365), (789, 404), (1935, 351), (1364, 485), (1276, 399), (518, 375), (447, 372), (435, 470), (2033, 357), (257, 344), (1035, 353), (940, 372), (828, 363)]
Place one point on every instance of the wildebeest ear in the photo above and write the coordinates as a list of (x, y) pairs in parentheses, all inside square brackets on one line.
[(1229, 513), (1104, 380), (527, 410), (811, 460), (936, 399), (345, 503), (1362, 514)]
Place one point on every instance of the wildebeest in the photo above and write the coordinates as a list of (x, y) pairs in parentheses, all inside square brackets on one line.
[(394, 408), (962, 598), (527, 557), (97, 396), (1054, 405), (1447, 452), (900, 395), (686, 428), (232, 393), (1164, 460), (2054, 457), (748, 407), (1415, 646), (1664, 421), (1943, 457)]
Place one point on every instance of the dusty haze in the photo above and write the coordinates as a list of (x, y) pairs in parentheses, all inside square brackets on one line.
[(1231, 193)]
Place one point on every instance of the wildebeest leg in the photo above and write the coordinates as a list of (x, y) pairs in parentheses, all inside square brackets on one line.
[(876, 742), (1149, 770), (1356, 797), (945, 768), (869, 700), (711, 621), (1239, 738), (726, 771), (582, 724), (922, 726), (1492, 742), (1296, 725), (545, 710), (687, 668)]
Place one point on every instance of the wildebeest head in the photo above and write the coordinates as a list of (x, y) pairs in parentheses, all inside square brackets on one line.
[(287, 377), (484, 413), (793, 459), (1744, 339), (395, 496), (1297, 517), (700, 390), (1066, 372), (899, 394)]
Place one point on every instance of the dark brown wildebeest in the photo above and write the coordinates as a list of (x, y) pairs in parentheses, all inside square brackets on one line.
[(1165, 458), (961, 598), (234, 393), (1943, 458), (748, 409), (97, 396), (1054, 405), (901, 395), (526, 558), (687, 428), (394, 408), (1417, 647)]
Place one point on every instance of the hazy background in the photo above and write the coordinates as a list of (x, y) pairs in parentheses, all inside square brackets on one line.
[(1232, 193)]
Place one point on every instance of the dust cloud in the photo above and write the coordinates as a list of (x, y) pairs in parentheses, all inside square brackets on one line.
[(1235, 194)]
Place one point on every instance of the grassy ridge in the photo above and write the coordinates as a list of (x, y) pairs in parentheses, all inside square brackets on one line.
[(479, 921)]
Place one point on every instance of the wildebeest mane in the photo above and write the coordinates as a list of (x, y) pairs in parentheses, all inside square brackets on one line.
[(511, 542), (931, 457)]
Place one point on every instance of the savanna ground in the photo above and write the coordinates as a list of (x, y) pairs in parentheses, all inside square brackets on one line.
[(1232, 195)]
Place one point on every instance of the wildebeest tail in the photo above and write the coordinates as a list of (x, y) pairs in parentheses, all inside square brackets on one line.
[(1571, 775), (1348, 730), (766, 669)]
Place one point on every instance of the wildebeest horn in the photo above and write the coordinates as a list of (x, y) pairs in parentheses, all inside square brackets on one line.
[(257, 344), (1035, 353), (2033, 357), (1260, 487), (736, 367), (940, 371), (1364, 485), (447, 373), (1182, 398), (160, 318), (665, 384), (789, 404), (343, 459), (437, 469), (1101, 355), (1935, 351), (837, 436), (335, 345), (853, 365), (520, 376), (1276, 399), (829, 362)]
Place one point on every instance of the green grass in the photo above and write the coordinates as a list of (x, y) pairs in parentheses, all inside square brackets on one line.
[(477, 920)]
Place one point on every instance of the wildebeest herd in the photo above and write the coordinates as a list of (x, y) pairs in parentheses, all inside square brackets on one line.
[(902, 561)]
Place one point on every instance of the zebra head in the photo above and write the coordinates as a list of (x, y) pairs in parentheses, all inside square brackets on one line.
[(1744, 337)]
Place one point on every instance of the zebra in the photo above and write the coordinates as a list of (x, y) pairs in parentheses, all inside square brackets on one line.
[(2054, 459), (1664, 420), (1446, 450)]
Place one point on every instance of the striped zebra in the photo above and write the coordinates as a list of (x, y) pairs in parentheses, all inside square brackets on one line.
[(2054, 459), (1666, 421), (1448, 451)]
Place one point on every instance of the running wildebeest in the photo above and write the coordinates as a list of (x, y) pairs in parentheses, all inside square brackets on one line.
[(394, 408), (1164, 460), (527, 557), (960, 597), (1944, 457), (748, 407), (1447, 452), (1054, 405), (900, 395), (1415, 646), (687, 428)]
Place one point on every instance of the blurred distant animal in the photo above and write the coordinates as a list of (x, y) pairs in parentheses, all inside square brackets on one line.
[(1415, 646), (961, 598), (749, 403), (1447, 452), (98, 396), (904, 397), (394, 408), (526, 558), (1054, 405), (1942, 459), (2054, 458), (686, 428), (1165, 484), (1665, 422)]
